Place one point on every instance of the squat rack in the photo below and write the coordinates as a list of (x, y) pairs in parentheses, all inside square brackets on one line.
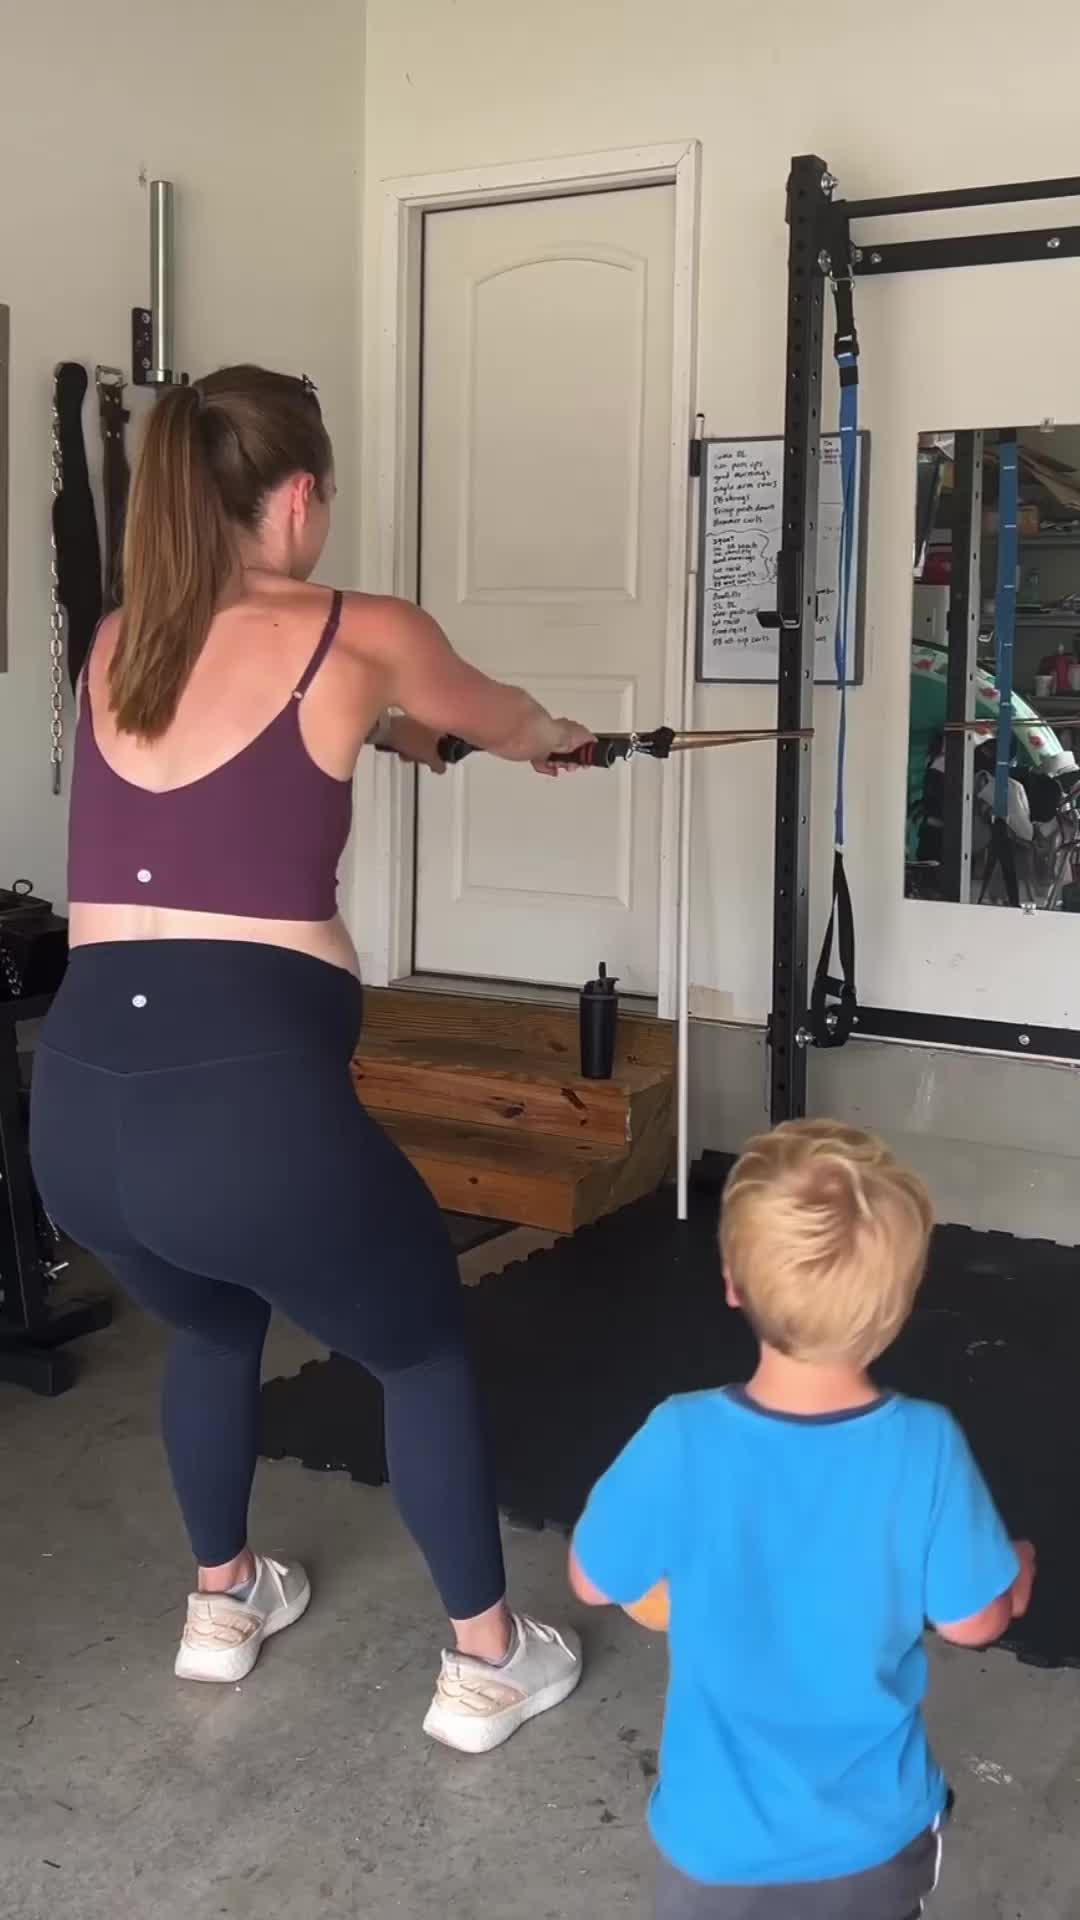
[(821, 248)]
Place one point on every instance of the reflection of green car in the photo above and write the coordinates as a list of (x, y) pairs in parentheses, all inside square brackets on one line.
[(1037, 745)]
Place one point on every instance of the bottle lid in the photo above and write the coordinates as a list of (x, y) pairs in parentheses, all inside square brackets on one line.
[(604, 983)]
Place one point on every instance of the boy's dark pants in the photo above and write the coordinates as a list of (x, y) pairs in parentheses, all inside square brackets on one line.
[(894, 1891)]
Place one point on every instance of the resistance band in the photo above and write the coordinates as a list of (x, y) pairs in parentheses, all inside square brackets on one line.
[(833, 1002), (608, 749), (1000, 852)]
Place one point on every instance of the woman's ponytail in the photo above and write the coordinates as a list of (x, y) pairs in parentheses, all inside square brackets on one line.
[(178, 554), (211, 455)]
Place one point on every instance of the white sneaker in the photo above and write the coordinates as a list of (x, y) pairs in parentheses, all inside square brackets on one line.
[(477, 1706), (222, 1635)]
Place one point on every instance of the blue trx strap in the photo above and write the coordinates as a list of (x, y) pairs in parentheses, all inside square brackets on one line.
[(1001, 851), (849, 448), (833, 1003)]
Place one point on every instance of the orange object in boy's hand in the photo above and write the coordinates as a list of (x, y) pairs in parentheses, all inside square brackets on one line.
[(653, 1610), (1025, 1579)]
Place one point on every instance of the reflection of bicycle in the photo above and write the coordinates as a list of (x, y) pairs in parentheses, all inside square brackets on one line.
[(1047, 854), (922, 880), (1044, 833), (1065, 866)]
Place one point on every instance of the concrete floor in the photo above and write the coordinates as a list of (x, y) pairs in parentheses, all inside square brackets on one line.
[(309, 1791)]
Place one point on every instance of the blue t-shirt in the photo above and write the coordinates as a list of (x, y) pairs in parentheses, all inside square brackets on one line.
[(804, 1556)]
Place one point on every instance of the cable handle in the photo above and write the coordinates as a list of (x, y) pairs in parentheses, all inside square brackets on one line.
[(604, 751)]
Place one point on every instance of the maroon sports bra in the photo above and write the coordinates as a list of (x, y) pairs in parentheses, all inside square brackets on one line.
[(260, 836)]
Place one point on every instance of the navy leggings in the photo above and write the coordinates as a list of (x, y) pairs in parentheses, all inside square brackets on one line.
[(194, 1125)]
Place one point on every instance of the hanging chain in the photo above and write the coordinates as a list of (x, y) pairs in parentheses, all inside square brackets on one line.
[(56, 637)]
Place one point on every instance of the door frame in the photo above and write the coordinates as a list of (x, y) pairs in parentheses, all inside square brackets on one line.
[(392, 475)]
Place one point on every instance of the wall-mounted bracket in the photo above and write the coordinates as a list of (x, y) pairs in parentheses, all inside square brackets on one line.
[(152, 356)]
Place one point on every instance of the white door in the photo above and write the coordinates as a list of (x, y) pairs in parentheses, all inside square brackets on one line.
[(545, 451)]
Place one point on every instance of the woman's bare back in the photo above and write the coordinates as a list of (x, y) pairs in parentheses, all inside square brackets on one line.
[(255, 654)]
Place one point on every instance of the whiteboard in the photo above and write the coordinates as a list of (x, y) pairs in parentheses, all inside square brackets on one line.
[(741, 521)]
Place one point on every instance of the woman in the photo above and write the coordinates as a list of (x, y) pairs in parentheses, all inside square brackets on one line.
[(194, 1124)]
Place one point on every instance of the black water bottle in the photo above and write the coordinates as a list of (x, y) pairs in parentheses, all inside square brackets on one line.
[(599, 1004)]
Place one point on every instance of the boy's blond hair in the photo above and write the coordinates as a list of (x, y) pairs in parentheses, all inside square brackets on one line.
[(824, 1236)]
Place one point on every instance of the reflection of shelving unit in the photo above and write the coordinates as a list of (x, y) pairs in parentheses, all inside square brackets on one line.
[(1048, 619), (956, 620)]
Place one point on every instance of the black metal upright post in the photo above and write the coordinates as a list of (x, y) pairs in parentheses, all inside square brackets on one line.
[(22, 1289), (965, 605), (808, 210)]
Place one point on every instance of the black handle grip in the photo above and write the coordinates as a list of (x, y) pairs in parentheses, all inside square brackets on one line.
[(601, 752), (451, 749)]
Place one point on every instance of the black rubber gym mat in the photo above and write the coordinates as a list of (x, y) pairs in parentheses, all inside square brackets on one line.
[(576, 1344), (467, 1231)]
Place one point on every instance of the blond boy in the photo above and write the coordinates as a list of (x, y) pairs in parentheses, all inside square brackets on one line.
[(805, 1528)]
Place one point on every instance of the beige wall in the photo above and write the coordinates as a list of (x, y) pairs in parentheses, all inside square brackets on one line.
[(254, 108), (896, 99)]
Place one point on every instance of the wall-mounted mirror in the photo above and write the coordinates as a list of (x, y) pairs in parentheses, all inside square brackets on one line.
[(993, 802)]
